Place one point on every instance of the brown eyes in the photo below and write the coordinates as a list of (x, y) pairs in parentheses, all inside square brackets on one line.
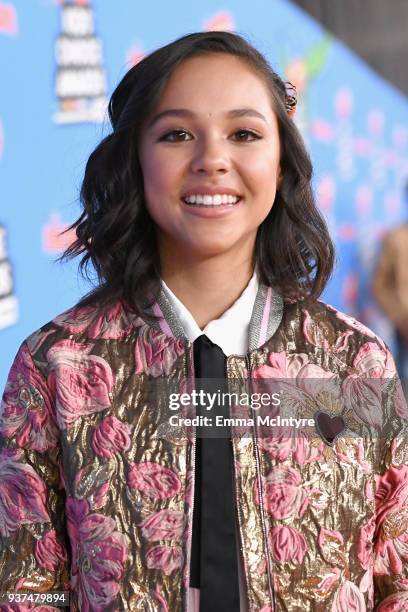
[(176, 136)]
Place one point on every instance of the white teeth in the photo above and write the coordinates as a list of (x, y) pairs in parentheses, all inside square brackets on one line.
[(212, 200)]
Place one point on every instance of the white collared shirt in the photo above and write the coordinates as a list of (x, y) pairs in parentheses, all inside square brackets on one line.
[(230, 330), (231, 333)]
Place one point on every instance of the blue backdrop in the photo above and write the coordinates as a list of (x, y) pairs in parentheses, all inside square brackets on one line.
[(60, 61)]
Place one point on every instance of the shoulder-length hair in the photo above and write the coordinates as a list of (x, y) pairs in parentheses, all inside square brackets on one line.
[(117, 236)]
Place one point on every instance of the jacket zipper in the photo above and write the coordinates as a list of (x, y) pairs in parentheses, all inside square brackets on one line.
[(237, 508), (190, 529), (261, 504)]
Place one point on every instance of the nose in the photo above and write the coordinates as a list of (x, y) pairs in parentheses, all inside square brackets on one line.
[(211, 157)]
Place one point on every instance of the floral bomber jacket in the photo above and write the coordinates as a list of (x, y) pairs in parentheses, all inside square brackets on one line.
[(95, 500)]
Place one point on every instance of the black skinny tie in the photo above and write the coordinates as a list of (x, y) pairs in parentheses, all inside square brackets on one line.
[(214, 566)]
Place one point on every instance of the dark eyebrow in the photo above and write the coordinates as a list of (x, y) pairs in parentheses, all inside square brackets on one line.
[(184, 112)]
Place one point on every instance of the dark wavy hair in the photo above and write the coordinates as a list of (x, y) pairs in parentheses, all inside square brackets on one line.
[(117, 236)]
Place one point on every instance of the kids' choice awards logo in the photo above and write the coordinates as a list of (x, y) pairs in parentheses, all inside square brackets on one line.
[(80, 80), (8, 301)]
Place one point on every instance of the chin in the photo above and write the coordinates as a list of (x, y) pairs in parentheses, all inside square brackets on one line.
[(212, 249)]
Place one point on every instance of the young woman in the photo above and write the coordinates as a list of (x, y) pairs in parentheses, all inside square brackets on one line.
[(200, 222)]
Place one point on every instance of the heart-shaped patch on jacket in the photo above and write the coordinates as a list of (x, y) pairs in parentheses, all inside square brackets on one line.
[(329, 427)]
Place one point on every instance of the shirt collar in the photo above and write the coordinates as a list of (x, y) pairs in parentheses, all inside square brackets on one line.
[(230, 330)]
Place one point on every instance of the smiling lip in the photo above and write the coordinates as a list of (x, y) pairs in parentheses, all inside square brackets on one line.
[(214, 211)]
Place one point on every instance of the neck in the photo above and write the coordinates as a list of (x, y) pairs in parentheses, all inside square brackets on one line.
[(208, 287)]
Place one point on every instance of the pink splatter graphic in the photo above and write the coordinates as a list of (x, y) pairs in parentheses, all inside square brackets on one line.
[(220, 21), (8, 19), (362, 146), (350, 290), (400, 137), (390, 158), (369, 314), (364, 199), (53, 241), (347, 231), (375, 122), (343, 103), (297, 73), (322, 130), (134, 55), (326, 191), (392, 202)]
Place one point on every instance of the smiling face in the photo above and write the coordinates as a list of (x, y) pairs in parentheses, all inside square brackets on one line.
[(221, 137)]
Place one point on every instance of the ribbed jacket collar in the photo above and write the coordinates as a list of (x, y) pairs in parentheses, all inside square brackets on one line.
[(266, 317)]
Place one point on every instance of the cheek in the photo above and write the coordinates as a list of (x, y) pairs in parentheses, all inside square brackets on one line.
[(264, 171), (158, 181), (159, 176)]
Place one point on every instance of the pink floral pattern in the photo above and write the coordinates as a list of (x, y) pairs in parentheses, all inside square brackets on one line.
[(363, 387), (118, 485), (93, 484), (26, 409), (365, 544), (284, 495), (22, 494), (366, 585), (328, 582), (374, 362), (165, 558), (331, 547), (49, 552), (397, 602), (309, 377), (292, 442), (353, 452), (282, 365), (81, 382), (110, 323), (154, 480), (99, 554), (322, 333), (364, 397), (287, 544), (155, 353), (163, 525), (354, 324), (348, 598), (391, 536), (111, 437)]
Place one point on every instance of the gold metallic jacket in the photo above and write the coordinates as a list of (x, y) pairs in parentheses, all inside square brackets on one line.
[(96, 498)]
